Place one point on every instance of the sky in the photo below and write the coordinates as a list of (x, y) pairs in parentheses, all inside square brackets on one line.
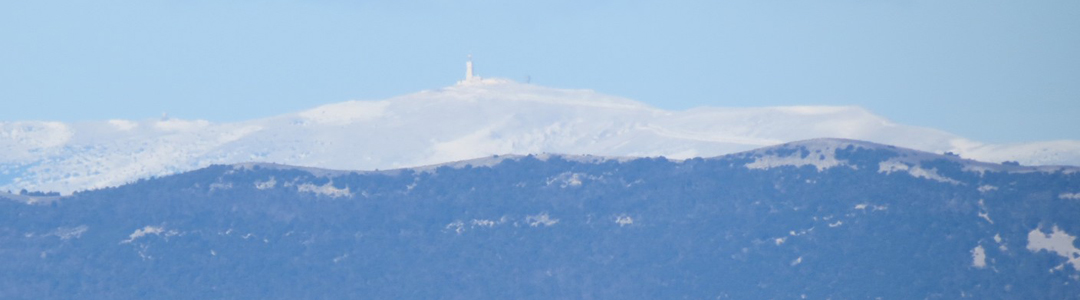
[(993, 71)]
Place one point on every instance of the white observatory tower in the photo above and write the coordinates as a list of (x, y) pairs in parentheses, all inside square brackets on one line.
[(470, 76), (468, 69)]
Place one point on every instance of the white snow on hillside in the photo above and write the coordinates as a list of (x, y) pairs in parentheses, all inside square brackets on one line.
[(822, 155), (465, 121), (1058, 242)]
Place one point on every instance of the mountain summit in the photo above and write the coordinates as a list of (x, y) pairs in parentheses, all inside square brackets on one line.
[(472, 119)]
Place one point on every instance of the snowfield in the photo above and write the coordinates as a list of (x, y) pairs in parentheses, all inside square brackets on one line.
[(464, 121)]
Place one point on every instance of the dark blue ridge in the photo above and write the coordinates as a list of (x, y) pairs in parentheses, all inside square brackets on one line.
[(552, 228)]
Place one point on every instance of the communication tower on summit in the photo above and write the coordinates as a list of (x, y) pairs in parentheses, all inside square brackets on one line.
[(470, 77), (468, 69)]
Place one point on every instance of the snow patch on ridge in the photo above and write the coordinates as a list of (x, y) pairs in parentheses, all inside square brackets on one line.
[(1058, 242), (265, 185), (916, 171), (820, 153), (796, 262), (768, 162), (495, 160), (569, 179), (987, 188), (541, 219), (983, 213), (327, 189), (872, 207), (148, 230), (978, 257), (65, 233)]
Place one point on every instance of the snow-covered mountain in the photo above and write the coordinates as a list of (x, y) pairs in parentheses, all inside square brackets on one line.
[(464, 121)]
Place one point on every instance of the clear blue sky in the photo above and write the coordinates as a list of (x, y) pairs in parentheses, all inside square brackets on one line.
[(995, 71)]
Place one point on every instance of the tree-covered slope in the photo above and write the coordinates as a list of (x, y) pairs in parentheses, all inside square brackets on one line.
[(831, 219)]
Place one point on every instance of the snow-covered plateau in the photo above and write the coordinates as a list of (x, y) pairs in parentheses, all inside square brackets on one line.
[(464, 121)]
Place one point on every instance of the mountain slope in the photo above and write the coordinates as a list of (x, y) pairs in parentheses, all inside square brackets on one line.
[(818, 219), (464, 121)]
